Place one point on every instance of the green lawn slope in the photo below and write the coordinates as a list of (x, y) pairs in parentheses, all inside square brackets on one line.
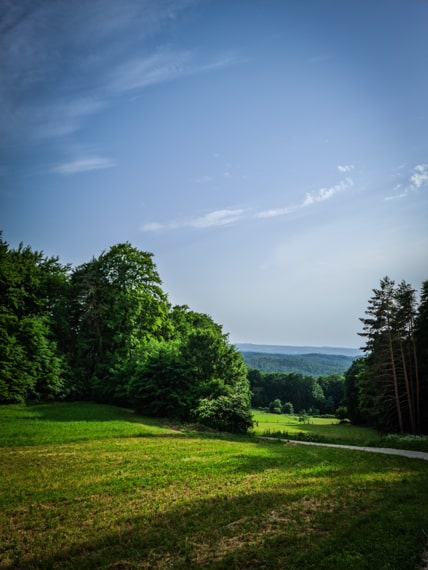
[(88, 486)]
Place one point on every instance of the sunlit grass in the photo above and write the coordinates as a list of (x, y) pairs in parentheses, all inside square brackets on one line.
[(148, 497), (329, 430)]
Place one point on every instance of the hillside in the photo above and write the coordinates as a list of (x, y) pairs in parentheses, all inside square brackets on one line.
[(315, 361), (287, 349), (307, 364)]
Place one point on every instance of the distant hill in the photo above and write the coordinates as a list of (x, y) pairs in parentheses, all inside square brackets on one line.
[(307, 360), (285, 349)]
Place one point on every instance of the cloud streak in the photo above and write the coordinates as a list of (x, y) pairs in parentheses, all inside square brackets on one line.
[(417, 180), (231, 216), (52, 82), (161, 68), (83, 164)]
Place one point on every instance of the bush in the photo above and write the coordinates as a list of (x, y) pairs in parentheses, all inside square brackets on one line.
[(342, 413), (288, 408), (225, 413), (275, 407)]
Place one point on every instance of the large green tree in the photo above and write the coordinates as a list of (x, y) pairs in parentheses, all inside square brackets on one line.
[(32, 287), (198, 375), (117, 306)]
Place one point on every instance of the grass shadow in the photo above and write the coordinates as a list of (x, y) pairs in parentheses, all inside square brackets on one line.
[(281, 529)]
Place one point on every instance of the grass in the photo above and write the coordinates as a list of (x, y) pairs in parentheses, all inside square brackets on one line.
[(329, 430), (88, 486)]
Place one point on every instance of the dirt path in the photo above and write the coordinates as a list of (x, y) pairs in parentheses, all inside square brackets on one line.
[(387, 450)]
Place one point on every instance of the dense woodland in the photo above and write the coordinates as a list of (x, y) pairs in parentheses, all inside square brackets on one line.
[(388, 388), (105, 331), (313, 364), (296, 393)]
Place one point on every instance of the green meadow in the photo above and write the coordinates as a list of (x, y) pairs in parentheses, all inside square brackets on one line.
[(330, 430), (87, 486)]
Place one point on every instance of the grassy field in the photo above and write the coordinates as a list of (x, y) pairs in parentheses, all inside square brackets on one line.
[(89, 486), (329, 430)]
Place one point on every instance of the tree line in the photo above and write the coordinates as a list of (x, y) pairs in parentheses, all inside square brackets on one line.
[(277, 390), (388, 388), (106, 331)]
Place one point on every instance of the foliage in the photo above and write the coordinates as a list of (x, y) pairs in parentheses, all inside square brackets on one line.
[(388, 388), (305, 364), (288, 408), (225, 413), (31, 290), (105, 331), (275, 407), (321, 395), (117, 306)]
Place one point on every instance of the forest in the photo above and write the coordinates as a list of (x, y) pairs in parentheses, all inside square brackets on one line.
[(314, 364), (105, 331)]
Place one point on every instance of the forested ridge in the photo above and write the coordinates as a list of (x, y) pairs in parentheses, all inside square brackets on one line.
[(313, 364), (105, 331)]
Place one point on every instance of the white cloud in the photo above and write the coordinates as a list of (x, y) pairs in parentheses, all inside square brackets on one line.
[(212, 219), (218, 218), (83, 164), (230, 216), (327, 193), (420, 176), (417, 180), (345, 168), (276, 212)]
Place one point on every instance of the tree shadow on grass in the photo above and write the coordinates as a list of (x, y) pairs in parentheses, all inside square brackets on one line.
[(299, 525), (82, 411)]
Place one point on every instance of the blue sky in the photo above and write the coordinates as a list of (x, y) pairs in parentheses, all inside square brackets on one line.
[(271, 154)]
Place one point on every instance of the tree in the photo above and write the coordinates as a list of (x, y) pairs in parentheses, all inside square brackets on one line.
[(31, 285), (275, 407), (390, 384), (353, 400), (118, 306), (378, 329), (421, 342), (195, 376), (225, 413), (288, 408)]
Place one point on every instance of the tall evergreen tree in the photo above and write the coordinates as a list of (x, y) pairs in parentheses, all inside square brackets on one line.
[(421, 341), (390, 384)]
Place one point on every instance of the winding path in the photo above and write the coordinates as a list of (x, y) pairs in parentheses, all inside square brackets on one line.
[(387, 450)]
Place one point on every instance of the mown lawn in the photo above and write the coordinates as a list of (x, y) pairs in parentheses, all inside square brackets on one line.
[(88, 486)]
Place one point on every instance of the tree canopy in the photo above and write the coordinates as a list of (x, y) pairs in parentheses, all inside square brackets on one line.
[(106, 331), (389, 388)]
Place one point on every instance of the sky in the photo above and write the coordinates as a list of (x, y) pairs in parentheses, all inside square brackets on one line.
[(271, 154)]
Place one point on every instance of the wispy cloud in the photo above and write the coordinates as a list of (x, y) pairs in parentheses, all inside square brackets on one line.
[(62, 62), (218, 218), (231, 216), (327, 193), (416, 180), (345, 168), (420, 175), (212, 219), (83, 164), (161, 68), (310, 199)]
